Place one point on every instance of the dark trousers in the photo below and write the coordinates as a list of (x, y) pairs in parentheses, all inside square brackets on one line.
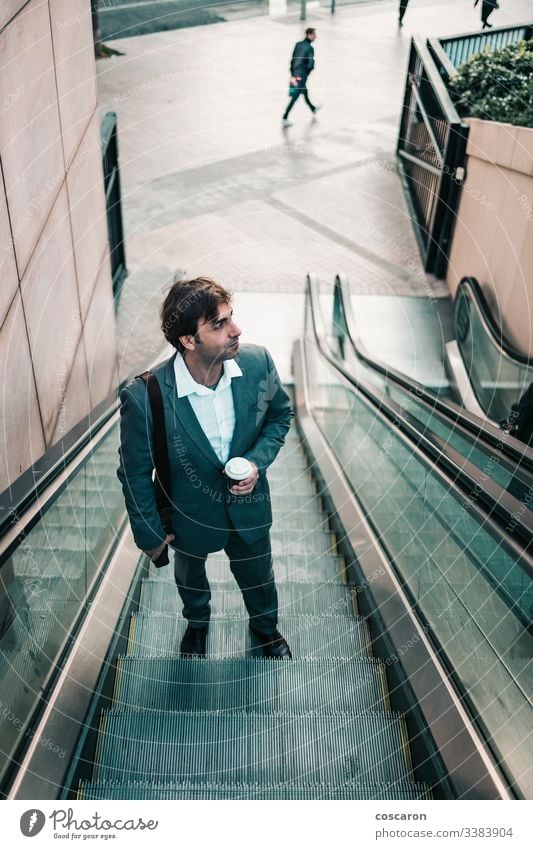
[(251, 565), (301, 90), (402, 10)]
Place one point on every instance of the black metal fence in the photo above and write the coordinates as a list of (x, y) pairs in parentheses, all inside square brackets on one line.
[(108, 135), (431, 151), (432, 139)]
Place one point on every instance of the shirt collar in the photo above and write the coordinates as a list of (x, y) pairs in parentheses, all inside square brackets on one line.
[(187, 385)]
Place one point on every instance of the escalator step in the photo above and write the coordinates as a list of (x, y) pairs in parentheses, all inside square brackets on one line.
[(176, 746), (292, 792), (301, 542), (250, 686), (308, 636), (300, 521), (294, 598)]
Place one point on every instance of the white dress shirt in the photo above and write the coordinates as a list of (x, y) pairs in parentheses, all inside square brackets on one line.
[(213, 408)]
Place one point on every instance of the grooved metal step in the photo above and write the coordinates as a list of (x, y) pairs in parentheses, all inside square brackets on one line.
[(308, 636), (302, 542), (251, 686), (187, 790), (177, 746), (294, 598)]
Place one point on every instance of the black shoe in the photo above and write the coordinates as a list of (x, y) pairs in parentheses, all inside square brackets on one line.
[(273, 645), (194, 641)]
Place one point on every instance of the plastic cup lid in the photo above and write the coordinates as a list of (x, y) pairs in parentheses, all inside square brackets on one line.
[(238, 468)]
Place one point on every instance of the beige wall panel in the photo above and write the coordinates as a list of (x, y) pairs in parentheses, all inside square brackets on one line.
[(506, 145), (523, 151), (9, 8), (75, 69), (8, 267), (30, 140), (51, 304), (75, 404), (22, 436), (477, 226), (100, 337), (518, 313), (504, 250), (85, 181)]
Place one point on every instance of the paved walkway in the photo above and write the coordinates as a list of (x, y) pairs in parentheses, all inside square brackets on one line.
[(213, 185)]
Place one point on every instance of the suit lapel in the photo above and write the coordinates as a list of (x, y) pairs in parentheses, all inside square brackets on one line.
[(184, 412), (242, 399)]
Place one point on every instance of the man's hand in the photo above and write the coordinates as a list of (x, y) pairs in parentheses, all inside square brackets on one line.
[(155, 552), (246, 486), (295, 80)]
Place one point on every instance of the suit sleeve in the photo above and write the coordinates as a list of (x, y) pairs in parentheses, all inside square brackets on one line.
[(277, 420), (136, 467)]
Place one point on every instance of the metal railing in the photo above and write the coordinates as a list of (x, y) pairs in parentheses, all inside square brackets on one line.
[(432, 138), (108, 135), (460, 48), (431, 148)]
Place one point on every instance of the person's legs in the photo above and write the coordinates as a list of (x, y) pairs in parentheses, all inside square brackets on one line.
[(306, 98), (292, 101), (193, 587), (402, 10), (251, 565)]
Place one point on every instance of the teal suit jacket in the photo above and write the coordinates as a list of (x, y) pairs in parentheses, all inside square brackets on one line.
[(203, 508)]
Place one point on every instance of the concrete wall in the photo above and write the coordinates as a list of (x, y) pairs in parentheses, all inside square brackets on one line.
[(493, 238), (57, 325)]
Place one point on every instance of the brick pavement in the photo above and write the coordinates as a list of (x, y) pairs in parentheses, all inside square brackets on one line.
[(212, 183)]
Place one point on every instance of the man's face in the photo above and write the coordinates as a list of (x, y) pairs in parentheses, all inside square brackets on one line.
[(311, 36), (217, 340)]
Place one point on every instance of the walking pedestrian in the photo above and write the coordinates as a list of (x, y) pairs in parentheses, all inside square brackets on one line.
[(302, 63), (487, 8), (220, 400)]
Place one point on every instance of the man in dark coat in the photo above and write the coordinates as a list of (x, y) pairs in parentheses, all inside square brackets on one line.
[(221, 400), (302, 63)]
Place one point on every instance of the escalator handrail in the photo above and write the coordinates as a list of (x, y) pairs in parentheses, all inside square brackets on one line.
[(490, 326), (500, 441), (500, 505)]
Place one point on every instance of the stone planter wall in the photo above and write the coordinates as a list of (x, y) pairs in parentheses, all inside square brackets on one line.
[(493, 239)]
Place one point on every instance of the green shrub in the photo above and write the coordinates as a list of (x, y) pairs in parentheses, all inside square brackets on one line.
[(497, 85)]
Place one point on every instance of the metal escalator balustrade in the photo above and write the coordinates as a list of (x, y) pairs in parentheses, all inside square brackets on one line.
[(469, 585), (50, 565), (499, 457), (238, 726)]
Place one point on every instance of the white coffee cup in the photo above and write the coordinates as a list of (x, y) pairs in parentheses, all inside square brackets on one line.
[(237, 469)]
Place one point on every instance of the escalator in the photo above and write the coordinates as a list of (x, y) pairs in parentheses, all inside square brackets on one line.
[(463, 435), (456, 356), (406, 606)]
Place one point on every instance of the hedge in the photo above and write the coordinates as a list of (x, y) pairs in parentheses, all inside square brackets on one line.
[(497, 85)]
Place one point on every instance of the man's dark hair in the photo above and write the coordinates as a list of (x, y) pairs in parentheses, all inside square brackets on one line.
[(187, 302), (310, 31)]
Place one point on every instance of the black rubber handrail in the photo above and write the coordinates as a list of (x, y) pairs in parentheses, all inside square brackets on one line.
[(494, 332), (503, 443), (468, 480)]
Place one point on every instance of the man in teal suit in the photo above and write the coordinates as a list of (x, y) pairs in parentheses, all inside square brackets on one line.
[(221, 400)]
